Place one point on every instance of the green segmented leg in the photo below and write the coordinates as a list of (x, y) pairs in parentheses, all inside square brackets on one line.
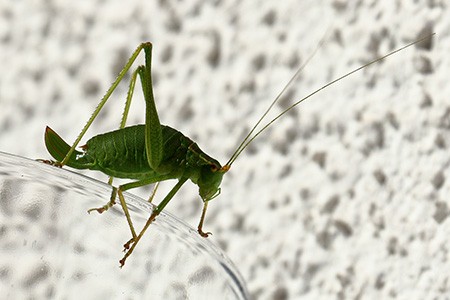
[(152, 217), (126, 246), (202, 219), (142, 72), (153, 138), (155, 188), (119, 191)]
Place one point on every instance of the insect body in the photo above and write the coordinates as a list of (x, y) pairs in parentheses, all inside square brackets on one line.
[(152, 153), (122, 154), (148, 153)]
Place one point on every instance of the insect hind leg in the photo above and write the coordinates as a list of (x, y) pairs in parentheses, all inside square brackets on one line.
[(130, 245), (147, 47), (130, 93), (127, 245)]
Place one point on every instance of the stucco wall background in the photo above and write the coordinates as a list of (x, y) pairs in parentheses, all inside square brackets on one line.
[(345, 197)]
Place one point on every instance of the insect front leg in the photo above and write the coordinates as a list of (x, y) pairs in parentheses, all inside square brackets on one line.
[(202, 219), (153, 132)]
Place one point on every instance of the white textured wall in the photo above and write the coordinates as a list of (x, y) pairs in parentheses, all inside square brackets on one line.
[(346, 197)]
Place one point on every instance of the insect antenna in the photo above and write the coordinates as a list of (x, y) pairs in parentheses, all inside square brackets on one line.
[(244, 142), (248, 139)]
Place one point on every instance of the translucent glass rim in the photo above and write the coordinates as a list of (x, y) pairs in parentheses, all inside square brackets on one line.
[(165, 218)]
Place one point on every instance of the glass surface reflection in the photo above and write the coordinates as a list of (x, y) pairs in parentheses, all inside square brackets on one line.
[(51, 248)]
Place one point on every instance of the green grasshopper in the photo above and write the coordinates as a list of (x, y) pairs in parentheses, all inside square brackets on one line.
[(150, 153)]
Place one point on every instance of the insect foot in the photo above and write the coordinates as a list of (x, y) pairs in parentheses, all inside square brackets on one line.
[(200, 224), (134, 240), (127, 245), (99, 210), (122, 262), (50, 162), (105, 207), (204, 234)]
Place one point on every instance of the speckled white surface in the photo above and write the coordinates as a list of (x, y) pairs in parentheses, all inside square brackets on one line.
[(344, 198)]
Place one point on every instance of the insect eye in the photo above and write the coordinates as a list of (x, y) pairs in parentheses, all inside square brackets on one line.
[(214, 168)]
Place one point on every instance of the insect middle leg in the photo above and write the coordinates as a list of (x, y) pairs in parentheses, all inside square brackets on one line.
[(118, 191), (155, 188)]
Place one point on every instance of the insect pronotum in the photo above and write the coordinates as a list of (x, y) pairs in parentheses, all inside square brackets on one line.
[(151, 152)]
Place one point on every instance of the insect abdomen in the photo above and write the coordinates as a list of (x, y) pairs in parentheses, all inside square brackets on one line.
[(122, 154)]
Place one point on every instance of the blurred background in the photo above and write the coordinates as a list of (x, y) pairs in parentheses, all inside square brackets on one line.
[(344, 197)]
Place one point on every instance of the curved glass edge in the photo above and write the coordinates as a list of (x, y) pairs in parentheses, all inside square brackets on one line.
[(165, 219)]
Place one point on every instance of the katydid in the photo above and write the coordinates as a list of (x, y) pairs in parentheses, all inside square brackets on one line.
[(150, 153)]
